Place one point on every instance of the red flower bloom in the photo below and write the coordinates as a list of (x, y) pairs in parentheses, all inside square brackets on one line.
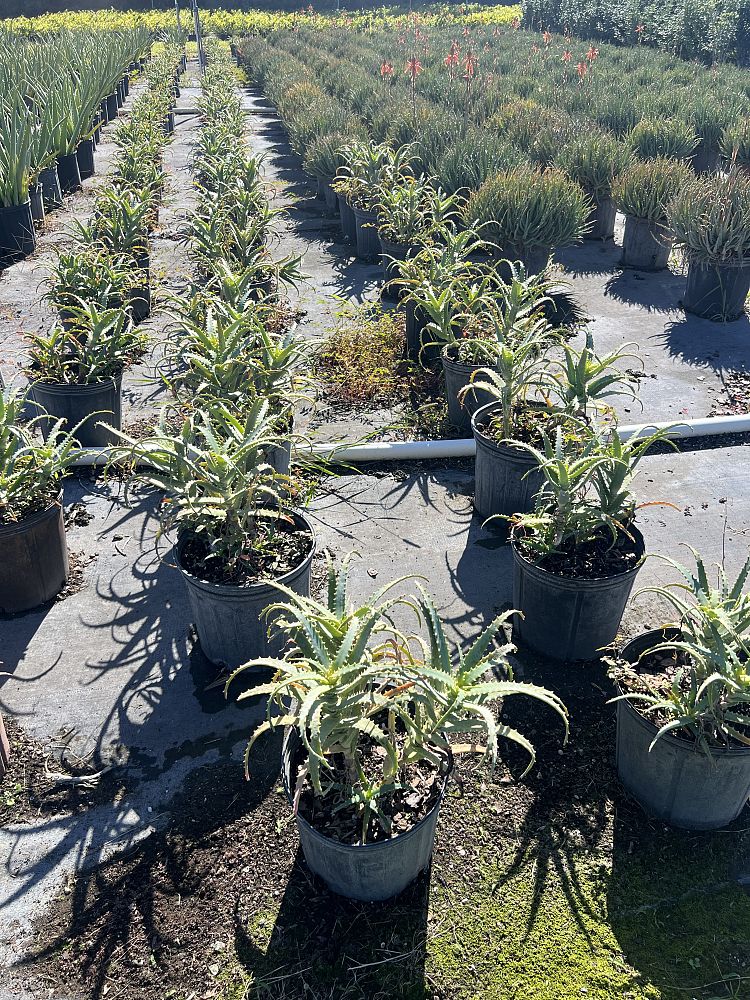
[(639, 29), (470, 66), (592, 53), (582, 68), (516, 23), (547, 37), (386, 69), (567, 56), (413, 68)]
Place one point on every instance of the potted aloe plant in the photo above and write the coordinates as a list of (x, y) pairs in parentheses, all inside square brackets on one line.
[(672, 138), (17, 236), (527, 213), (534, 394), (643, 193), (577, 553), (322, 159), (710, 217), (33, 551), (76, 372), (410, 213), (86, 275), (372, 717), (595, 160), (683, 726), (236, 529), (735, 145)]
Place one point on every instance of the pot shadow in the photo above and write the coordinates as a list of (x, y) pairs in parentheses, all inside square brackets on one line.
[(654, 291), (324, 945), (694, 341), (592, 257)]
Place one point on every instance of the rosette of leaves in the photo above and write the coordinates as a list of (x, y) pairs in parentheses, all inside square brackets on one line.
[(710, 218), (595, 160), (672, 138), (645, 189)]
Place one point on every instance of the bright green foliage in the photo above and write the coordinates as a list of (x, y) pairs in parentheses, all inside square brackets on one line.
[(645, 189), (710, 217)]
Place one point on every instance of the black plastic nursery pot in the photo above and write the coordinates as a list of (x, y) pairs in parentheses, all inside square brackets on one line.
[(139, 302), (601, 220), (17, 236), (69, 173), (91, 403), (646, 245), (51, 190), (368, 238), (126, 85), (366, 872), (85, 157), (392, 256), (347, 219), (33, 559), (716, 291), (506, 478), (427, 355), (569, 618), (457, 376), (112, 106), (168, 123), (534, 259), (229, 619), (119, 94), (706, 159), (675, 780), (36, 201)]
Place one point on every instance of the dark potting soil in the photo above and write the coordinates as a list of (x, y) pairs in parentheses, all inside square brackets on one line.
[(403, 809), (276, 551), (592, 560), (27, 506), (530, 423)]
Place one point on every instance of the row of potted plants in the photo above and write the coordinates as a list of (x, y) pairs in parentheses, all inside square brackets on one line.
[(56, 94), (536, 179), (99, 287)]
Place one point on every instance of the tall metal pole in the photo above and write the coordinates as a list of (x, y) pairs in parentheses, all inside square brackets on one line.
[(198, 36)]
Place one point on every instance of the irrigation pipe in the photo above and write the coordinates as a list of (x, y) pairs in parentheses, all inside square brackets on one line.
[(412, 451)]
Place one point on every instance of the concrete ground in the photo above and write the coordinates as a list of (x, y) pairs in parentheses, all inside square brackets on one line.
[(116, 661)]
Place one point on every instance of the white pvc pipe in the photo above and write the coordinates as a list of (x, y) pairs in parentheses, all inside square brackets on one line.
[(412, 451)]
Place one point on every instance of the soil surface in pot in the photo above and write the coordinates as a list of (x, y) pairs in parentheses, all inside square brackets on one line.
[(592, 560), (530, 423), (26, 506), (402, 810), (276, 553)]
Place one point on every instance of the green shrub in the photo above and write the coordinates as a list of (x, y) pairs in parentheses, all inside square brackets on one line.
[(595, 161), (710, 218), (646, 188), (669, 137)]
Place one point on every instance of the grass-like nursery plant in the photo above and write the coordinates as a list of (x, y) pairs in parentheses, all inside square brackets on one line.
[(668, 137), (646, 188), (377, 714), (705, 694), (595, 161), (527, 209), (710, 218)]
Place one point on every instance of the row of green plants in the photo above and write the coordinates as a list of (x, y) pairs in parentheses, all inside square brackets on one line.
[(99, 288), (708, 30), (535, 177), (55, 94)]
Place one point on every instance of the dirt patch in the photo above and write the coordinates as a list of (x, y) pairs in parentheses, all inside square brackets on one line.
[(49, 779)]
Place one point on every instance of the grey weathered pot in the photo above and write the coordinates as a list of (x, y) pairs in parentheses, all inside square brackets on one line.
[(93, 403), (36, 199), (367, 872), (368, 239), (716, 292), (17, 235), (645, 245), (458, 375), (328, 196), (51, 191), (229, 619), (601, 220), (675, 780), (506, 478), (33, 559), (347, 219), (569, 618)]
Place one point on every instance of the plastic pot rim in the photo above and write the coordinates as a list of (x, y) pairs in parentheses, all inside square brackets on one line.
[(578, 582), (17, 527)]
